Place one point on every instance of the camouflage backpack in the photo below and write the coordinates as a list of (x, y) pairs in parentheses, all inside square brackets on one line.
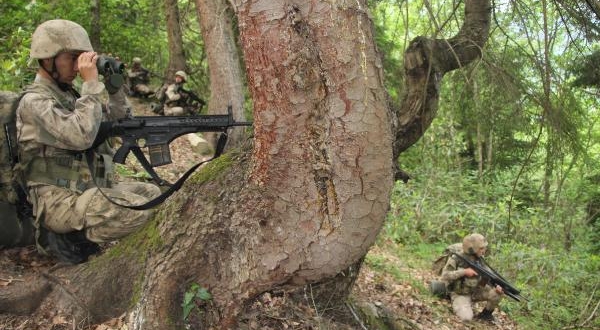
[(16, 214), (16, 222), (440, 262), (439, 288)]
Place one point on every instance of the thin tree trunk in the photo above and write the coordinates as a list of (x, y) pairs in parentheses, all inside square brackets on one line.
[(96, 28), (226, 76), (177, 59), (480, 146), (490, 150), (480, 135), (545, 71)]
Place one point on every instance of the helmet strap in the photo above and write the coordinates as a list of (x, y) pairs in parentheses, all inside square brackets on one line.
[(55, 75)]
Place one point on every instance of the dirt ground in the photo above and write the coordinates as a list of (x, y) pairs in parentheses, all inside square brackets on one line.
[(399, 299), (374, 289)]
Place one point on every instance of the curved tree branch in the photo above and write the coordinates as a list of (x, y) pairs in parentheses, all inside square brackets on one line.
[(425, 63)]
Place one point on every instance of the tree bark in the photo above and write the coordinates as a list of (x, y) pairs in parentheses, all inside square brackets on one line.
[(95, 26), (174, 36), (226, 76), (305, 204)]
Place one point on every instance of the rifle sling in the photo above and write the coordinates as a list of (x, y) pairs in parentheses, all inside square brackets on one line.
[(146, 165), (89, 154)]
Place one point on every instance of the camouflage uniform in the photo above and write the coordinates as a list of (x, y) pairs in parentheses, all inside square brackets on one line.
[(54, 127), (466, 290), (176, 102), (173, 104), (139, 79)]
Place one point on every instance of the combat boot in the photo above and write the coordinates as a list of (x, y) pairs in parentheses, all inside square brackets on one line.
[(73, 248), (486, 315)]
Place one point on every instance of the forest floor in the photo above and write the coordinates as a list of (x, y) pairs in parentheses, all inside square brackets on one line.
[(392, 283)]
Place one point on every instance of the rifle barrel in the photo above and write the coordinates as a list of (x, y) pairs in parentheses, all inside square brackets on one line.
[(494, 278)]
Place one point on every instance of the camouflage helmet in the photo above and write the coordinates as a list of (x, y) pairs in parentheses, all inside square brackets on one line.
[(136, 60), (58, 35), (182, 74), (473, 242)]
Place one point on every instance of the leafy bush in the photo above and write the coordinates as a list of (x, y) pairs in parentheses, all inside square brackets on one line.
[(547, 253)]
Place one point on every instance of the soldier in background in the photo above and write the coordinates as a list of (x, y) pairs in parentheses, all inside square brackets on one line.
[(179, 101), (139, 79), (466, 286)]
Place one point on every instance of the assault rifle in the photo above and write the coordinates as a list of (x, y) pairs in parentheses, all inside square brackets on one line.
[(492, 276), (191, 96), (156, 132)]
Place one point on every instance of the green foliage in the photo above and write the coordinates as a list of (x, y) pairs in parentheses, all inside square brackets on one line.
[(548, 254), (127, 29), (15, 38), (587, 72), (128, 172), (134, 29), (561, 287), (384, 265), (194, 296)]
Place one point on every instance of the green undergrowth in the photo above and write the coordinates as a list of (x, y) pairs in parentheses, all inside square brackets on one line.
[(127, 172), (549, 254), (562, 289)]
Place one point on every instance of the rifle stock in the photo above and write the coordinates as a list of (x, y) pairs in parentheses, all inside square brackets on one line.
[(493, 277)]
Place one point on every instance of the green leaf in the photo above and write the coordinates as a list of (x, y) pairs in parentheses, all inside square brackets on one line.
[(187, 298), (187, 309), (203, 294)]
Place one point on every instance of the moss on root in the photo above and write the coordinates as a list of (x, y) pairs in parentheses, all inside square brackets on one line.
[(212, 169)]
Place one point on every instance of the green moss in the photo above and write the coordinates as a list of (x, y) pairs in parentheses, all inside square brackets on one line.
[(136, 293), (212, 169), (145, 239)]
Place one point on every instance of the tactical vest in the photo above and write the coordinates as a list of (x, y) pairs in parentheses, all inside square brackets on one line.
[(60, 167), (464, 285)]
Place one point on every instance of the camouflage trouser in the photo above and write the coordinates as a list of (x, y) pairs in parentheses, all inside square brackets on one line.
[(142, 89), (463, 304), (174, 111), (61, 210)]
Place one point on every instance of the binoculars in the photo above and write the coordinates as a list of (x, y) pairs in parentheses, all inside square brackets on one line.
[(112, 70)]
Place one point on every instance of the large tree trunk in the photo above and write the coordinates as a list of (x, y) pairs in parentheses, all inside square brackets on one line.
[(226, 77), (306, 204), (175, 39)]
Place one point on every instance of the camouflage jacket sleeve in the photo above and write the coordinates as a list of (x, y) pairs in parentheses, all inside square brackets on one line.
[(172, 94), (452, 271), (133, 74), (118, 106), (42, 119)]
